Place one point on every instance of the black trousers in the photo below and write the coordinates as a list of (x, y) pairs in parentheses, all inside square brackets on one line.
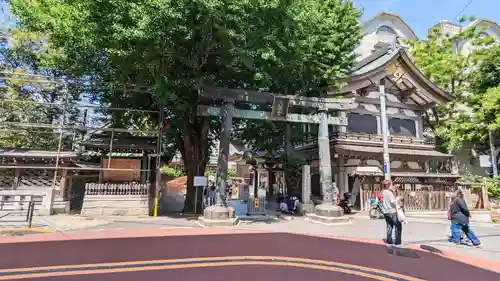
[(393, 223)]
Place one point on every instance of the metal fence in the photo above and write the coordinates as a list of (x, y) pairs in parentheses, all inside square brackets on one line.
[(257, 206), (9, 207)]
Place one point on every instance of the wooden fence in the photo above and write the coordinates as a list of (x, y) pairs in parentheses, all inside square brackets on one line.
[(428, 200), (117, 189)]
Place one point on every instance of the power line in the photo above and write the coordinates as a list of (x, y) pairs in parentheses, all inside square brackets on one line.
[(102, 107), (463, 9), (45, 79)]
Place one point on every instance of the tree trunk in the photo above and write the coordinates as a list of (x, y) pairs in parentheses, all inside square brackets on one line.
[(193, 143)]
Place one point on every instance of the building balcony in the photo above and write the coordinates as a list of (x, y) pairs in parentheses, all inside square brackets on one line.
[(339, 136), (347, 137)]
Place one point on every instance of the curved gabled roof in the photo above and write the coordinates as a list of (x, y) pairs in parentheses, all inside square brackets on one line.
[(396, 17), (378, 62)]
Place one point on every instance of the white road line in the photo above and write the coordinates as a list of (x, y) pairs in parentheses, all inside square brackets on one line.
[(106, 229), (171, 227)]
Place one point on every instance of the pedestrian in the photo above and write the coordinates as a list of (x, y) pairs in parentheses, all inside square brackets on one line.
[(335, 193), (459, 215), (389, 208), (212, 192)]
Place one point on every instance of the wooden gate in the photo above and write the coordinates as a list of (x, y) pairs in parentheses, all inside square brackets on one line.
[(76, 190)]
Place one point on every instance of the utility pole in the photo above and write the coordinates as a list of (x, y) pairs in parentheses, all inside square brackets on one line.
[(494, 162), (385, 131)]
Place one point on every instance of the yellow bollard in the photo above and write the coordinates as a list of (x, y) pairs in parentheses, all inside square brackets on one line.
[(155, 210)]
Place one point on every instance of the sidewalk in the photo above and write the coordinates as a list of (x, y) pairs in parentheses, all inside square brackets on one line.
[(416, 232)]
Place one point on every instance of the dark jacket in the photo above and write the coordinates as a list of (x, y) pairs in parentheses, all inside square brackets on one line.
[(459, 211)]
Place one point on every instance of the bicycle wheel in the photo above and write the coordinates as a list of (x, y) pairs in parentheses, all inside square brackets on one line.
[(374, 213)]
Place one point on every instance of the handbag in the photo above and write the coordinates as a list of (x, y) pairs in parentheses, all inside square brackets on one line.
[(401, 215)]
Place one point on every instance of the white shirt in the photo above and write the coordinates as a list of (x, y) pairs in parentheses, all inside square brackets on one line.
[(283, 207)]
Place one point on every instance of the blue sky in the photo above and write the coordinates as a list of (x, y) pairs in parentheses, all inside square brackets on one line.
[(422, 14), (419, 14)]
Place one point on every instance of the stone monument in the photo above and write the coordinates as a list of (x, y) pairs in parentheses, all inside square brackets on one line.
[(307, 205)]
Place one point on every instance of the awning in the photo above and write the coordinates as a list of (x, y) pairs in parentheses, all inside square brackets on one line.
[(375, 171), (425, 175), (356, 150), (25, 152), (364, 171)]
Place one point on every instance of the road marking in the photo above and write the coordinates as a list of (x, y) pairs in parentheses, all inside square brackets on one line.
[(122, 267), (106, 229), (176, 227)]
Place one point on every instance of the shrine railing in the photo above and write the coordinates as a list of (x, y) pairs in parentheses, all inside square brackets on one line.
[(375, 137), (117, 189), (423, 200)]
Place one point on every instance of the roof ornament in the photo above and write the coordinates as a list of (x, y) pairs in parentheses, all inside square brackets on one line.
[(394, 46)]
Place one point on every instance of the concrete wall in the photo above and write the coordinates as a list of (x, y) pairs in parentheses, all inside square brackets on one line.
[(463, 158), (16, 202), (371, 37), (115, 205)]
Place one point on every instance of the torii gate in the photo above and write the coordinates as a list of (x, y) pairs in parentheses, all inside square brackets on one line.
[(224, 103)]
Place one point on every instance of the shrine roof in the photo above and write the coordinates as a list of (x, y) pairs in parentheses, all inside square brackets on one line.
[(393, 63), (120, 143), (27, 152)]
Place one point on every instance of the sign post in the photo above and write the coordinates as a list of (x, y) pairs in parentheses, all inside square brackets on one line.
[(197, 183)]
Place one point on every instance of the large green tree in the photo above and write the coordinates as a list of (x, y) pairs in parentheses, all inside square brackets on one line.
[(177, 47), (452, 61)]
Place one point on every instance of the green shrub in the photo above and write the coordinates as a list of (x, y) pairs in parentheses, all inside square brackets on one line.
[(493, 187), (172, 171), (231, 173)]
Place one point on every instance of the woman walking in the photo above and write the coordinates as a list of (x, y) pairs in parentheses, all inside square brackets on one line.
[(389, 208), (459, 215)]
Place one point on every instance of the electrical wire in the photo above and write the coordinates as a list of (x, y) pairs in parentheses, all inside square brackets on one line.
[(76, 128), (78, 105), (463, 9)]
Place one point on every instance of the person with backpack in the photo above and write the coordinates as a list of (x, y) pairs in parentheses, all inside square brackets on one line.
[(459, 215)]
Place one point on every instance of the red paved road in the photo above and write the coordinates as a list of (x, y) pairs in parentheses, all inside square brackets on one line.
[(418, 264)]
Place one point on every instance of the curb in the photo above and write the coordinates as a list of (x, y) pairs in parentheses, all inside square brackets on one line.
[(31, 230)]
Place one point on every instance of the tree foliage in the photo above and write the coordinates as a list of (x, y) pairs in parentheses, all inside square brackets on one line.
[(457, 63), (28, 80), (174, 48)]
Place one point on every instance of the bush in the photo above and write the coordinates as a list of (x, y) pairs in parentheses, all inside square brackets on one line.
[(231, 173), (493, 187), (172, 171)]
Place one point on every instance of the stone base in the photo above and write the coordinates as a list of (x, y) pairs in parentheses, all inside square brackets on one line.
[(329, 220), (307, 208), (328, 214), (328, 210), (211, 223), (218, 216)]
